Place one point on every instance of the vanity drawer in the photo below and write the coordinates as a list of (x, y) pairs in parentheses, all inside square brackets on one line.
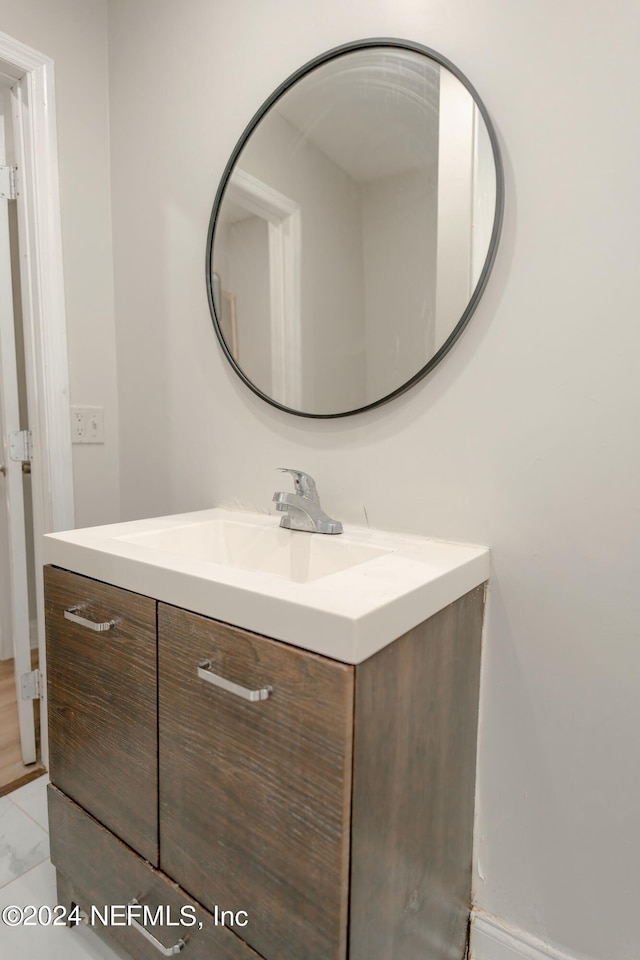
[(255, 794), (102, 692), (107, 873)]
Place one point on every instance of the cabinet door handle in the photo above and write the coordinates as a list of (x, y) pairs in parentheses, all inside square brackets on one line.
[(205, 673), (72, 614), (160, 947)]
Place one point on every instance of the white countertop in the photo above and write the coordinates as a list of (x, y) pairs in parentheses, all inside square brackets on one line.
[(348, 615)]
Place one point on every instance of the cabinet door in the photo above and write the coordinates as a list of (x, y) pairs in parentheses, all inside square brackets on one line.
[(255, 794), (102, 692)]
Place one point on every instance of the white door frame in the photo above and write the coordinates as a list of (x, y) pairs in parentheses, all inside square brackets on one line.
[(43, 308), (16, 618), (283, 217)]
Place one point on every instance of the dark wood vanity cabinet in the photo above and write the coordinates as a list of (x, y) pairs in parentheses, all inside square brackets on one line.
[(332, 803)]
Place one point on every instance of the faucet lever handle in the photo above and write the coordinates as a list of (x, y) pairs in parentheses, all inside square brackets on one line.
[(304, 484)]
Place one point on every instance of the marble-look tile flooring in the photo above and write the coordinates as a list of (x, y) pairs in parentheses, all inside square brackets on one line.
[(27, 877)]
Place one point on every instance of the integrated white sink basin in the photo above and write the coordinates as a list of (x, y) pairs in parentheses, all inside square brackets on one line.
[(299, 557), (344, 596)]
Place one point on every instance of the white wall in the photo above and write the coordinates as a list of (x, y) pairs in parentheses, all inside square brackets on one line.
[(524, 438), (74, 34)]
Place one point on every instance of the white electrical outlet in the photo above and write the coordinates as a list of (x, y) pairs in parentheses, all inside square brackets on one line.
[(77, 425), (87, 424)]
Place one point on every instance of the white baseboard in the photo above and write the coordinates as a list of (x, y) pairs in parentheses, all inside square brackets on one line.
[(493, 939)]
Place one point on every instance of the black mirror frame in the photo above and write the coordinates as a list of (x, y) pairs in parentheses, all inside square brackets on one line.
[(493, 243)]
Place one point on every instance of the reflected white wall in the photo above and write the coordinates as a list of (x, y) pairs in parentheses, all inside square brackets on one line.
[(455, 204), (483, 198), (399, 230), (331, 261)]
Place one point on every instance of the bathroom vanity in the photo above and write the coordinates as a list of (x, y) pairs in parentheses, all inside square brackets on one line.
[(262, 740), (295, 748)]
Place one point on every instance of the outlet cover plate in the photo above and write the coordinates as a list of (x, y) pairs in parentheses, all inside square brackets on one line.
[(87, 424)]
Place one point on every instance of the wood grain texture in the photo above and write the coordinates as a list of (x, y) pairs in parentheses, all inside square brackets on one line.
[(95, 868), (255, 797), (416, 713), (102, 690)]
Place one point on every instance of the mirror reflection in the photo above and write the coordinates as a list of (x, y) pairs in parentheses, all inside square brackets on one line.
[(350, 240)]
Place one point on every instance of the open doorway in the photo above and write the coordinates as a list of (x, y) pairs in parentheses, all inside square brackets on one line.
[(13, 772), (36, 480), (20, 755)]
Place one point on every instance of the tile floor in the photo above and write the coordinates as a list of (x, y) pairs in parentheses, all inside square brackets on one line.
[(27, 877)]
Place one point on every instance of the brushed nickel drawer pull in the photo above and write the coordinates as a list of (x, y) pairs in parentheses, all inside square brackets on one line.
[(72, 614), (205, 673), (160, 947)]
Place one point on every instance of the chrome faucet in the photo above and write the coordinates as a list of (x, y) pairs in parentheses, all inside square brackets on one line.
[(302, 508)]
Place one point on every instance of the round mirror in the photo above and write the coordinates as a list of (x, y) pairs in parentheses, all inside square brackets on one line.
[(354, 228)]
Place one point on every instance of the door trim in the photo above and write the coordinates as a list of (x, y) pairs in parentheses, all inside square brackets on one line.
[(14, 453), (284, 219), (43, 306)]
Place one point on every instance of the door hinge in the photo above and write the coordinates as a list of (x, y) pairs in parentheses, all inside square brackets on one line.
[(8, 189), (21, 446), (31, 685)]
